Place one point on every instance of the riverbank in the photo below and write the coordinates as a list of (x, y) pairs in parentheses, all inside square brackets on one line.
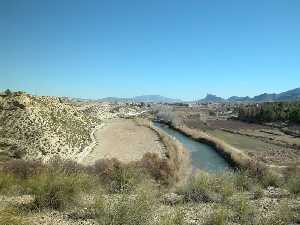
[(235, 156), (177, 155)]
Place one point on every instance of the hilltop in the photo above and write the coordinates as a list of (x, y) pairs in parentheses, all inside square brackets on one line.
[(41, 127), (291, 95)]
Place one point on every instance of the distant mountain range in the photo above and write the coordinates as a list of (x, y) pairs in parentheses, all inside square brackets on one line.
[(291, 95), (142, 98)]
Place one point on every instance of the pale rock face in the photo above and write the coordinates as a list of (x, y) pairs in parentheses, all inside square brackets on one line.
[(42, 127)]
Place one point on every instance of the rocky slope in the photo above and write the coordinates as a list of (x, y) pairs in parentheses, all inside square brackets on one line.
[(42, 127)]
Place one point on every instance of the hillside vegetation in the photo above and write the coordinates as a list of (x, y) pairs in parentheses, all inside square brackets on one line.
[(42, 127), (270, 112)]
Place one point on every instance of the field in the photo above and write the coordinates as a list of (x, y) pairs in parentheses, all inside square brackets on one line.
[(264, 143)]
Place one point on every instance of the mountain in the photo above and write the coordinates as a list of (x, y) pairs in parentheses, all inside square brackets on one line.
[(238, 99), (155, 98), (212, 98), (291, 95), (142, 98)]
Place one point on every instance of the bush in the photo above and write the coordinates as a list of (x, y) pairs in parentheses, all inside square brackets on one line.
[(244, 212), (293, 185), (243, 180), (268, 178), (197, 190), (258, 192), (65, 166), (208, 188), (175, 218), (160, 169), (116, 176), (7, 181), (23, 169), (126, 210), (220, 216), (56, 191)]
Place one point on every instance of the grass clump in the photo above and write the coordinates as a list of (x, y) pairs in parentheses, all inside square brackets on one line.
[(126, 209), (175, 218), (208, 188), (220, 216), (117, 177), (243, 180), (293, 185), (244, 212), (12, 216), (269, 178), (56, 191), (7, 182)]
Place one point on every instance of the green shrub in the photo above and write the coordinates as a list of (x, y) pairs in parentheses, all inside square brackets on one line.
[(293, 185), (269, 178), (197, 190), (243, 180), (208, 188), (11, 216), (244, 212), (175, 218), (56, 191), (258, 192), (7, 182), (220, 216), (117, 177), (126, 210)]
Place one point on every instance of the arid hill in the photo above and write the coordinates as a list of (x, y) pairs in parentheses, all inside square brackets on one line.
[(42, 127)]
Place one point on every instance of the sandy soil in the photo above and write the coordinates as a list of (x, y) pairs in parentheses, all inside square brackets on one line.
[(124, 140)]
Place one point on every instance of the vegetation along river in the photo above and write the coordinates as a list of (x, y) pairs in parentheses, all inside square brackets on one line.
[(203, 156)]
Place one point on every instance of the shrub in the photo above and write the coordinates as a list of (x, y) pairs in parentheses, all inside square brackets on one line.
[(258, 192), (116, 176), (269, 178), (175, 218), (244, 212), (293, 185), (197, 190), (22, 169), (220, 216), (55, 191), (11, 216), (243, 181), (126, 210), (7, 181), (160, 169), (208, 188), (65, 166)]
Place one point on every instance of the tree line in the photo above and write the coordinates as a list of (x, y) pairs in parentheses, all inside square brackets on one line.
[(270, 112)]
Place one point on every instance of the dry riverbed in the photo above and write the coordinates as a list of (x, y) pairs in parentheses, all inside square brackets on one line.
[(124, 140)]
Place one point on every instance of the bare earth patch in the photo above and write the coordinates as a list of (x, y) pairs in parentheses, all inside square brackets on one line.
[(125, 140)]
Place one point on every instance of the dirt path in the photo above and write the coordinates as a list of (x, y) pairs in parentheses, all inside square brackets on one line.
[(124, 140)]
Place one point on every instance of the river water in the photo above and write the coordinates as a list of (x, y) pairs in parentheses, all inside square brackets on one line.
[(203, 156)]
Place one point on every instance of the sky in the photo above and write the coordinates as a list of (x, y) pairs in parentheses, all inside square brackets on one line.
[(176, 48)]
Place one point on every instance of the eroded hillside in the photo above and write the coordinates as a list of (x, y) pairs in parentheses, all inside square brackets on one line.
[(42, 127)]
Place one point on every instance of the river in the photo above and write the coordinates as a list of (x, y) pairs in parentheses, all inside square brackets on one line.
[(203, 156)]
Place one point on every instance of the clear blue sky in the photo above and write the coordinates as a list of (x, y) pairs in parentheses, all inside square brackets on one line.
[(176, 48)]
